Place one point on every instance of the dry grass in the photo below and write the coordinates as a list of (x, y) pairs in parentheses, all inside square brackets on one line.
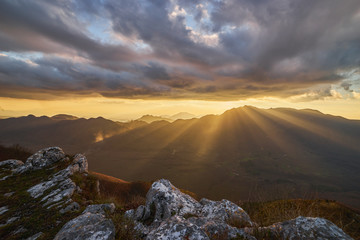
[(14, 152), (267, 213), (126, 195), (237, 222), (124, 226)]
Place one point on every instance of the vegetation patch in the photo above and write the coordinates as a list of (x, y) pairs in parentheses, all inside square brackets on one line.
[(267, 213), (29, 212)]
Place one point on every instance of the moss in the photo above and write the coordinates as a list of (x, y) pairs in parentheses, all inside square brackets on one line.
[(32, 215)]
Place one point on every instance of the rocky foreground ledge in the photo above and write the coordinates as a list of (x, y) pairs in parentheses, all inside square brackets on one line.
[(45, 189)]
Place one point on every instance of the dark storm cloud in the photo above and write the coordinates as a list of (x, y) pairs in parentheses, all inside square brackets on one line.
[(66, 77), (231, 48)]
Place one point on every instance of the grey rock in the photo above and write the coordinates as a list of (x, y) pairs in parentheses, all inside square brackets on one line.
[(92, 224), (44, 158), (3, 210), (60, 187), (19, 230), (8, 194), (100, 208), (79, 164), (308, 228), (72, 207), (177, 228), (167, 201), (216, 228), (224, 210), (168, 206), (9, 221), (34, 237), (11, 164)]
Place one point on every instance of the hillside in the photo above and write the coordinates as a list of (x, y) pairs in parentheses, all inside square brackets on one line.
[(291, 152), (73, 134), (151, 118), (246, 152), (52, 195)]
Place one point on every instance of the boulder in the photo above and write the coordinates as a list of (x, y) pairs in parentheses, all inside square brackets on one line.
[(91, 224), (80, 164), (11, 164), (100, 208), (44, 158), (168, 209), (177, 228), (308, 228), (57, 191), (163, 200)]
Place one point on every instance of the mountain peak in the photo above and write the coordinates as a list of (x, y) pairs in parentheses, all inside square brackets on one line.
[(63, 117)]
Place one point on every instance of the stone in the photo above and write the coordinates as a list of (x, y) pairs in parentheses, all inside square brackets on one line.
[(224, 210), (8, 194), (9, 221), (100, 208), (166, 200), (215, 228), (79, 164), (91, 224), (3, 210), (60, 187), (44, 158), (72, 207), (177, 228), (36, 236), (308, 228), (167, 206), (11, 164)]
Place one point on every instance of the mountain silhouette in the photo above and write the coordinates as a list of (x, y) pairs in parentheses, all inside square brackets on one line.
[(276, 153)]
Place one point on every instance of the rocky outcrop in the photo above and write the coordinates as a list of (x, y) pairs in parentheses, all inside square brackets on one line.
[(167, 214), (171, 214), (57, 191), (168, 208), (44, 158), (51, 188), (308, 228), (91, 224), (11, 164)]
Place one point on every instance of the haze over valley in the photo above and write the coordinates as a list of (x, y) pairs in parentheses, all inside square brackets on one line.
[(244, 151)]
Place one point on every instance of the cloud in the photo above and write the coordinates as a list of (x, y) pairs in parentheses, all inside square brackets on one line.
[(177, 49)]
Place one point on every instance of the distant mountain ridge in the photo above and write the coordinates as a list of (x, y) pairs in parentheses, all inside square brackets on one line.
[(181, 115), (228, 155), (74, 134)]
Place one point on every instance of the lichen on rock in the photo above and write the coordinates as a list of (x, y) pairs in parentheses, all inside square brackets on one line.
[(181, 215), (308, 228), (91, 224)]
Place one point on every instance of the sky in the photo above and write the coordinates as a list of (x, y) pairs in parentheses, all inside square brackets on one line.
[(123, 59)]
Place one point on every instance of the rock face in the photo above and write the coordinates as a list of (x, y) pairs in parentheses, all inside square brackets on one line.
[(171, 214), (91, 224)]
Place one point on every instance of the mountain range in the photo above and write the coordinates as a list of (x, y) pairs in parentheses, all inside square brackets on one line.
[(151, 118), (244, 153)]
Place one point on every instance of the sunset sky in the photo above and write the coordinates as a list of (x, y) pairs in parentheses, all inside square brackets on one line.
[(121, 59)]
